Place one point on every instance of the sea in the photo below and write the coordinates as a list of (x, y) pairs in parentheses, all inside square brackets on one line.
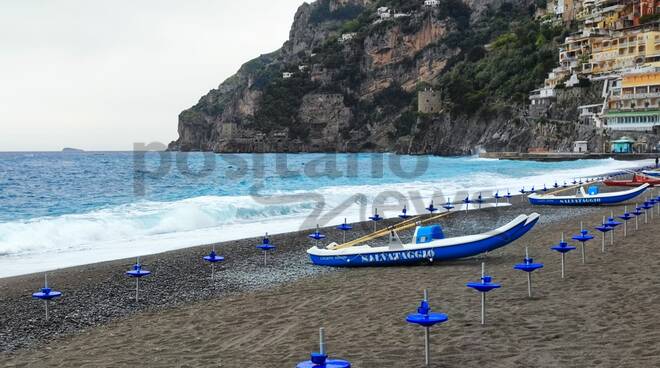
[(61, 209)]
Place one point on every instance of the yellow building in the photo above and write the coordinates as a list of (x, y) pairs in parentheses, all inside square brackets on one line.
[(635, 101), (625, 50)]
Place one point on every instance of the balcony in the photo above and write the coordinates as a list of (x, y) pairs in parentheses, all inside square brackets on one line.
[(636, 96)]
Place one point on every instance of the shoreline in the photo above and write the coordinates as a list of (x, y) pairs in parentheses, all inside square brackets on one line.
[(107, 250), (281, 314)]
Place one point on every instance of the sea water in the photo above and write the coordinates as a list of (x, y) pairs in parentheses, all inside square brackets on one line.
[(65, 209)]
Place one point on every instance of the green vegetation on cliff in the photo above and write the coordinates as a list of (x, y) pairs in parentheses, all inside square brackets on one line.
[(504, 56)]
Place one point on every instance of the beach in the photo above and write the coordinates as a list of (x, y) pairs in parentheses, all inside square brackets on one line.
[(602, 315)]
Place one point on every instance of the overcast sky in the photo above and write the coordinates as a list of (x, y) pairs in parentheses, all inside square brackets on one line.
[(101, 75)]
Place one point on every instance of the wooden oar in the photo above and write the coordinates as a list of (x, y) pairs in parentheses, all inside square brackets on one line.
[(378, 234)]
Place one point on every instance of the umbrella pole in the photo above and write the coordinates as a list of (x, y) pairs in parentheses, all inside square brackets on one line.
[(602, 248), (427, 343), (46, 305), (529, 284), (137, 288), (483, 309), (563, 260), (584, 258)]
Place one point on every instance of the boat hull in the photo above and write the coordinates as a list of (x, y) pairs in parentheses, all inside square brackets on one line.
[(430, 254), (595, 200)]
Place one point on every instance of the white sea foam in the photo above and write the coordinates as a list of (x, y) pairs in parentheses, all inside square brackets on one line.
[(149, 227)]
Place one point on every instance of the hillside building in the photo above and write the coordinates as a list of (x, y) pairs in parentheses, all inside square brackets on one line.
[(429, 101), (634, 103)]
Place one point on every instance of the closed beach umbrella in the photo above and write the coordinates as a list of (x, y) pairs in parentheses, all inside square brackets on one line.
[(266, 247), (562, 248), (320, 359), (404, 213), (46, 294), (583, 237), (425, 318), (431, 208), (528, 266), (625, 217), (637, 212), (485, 286), (213, 258), (375, 218), (448, 205), (316, 235), (346, 227), (467, 202), (137, 273), (604, 229), (613, 224), (497, 198)]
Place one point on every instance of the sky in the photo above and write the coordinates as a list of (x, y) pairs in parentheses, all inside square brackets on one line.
[(103, 75)]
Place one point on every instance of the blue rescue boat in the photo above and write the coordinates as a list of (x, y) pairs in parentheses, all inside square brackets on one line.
[(429, 245), (582, 198)]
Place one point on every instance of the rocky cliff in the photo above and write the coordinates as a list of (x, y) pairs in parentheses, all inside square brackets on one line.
[(325, 92)]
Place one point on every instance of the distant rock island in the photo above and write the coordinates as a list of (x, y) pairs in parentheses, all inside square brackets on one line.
[(71, 150)]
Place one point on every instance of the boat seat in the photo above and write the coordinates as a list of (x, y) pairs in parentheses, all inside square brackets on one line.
[(426, 234)]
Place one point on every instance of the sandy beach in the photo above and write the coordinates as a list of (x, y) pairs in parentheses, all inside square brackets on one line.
[(604, 314)]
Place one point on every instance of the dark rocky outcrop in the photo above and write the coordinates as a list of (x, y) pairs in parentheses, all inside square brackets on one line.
[(360, 95)]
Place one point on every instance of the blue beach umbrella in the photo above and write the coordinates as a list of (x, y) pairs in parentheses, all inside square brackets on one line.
[(637, 212), (213, 258), (316, 235), (480, 200), (544, 189), (497, 197), (425, 318), (508, 196), (448, 205), (532, 190), (564, 185), (625, 217), (430, 208), (137, 273), (483, 287), (46, 294), (375, 218), (562, 248), (522, 192), (583, 237), (613, 224), (346, 227), (528, 266), (604, 229), (580, 182), (266, 246), (320, 359), (404, 213), (574, 181), (467, 202), (647, 206), (555, 185), (652, 202)]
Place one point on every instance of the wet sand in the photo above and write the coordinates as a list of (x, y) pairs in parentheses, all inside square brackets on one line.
[(604, 314)]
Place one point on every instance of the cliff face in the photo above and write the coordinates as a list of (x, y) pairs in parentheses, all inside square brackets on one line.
[(360, 94)]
